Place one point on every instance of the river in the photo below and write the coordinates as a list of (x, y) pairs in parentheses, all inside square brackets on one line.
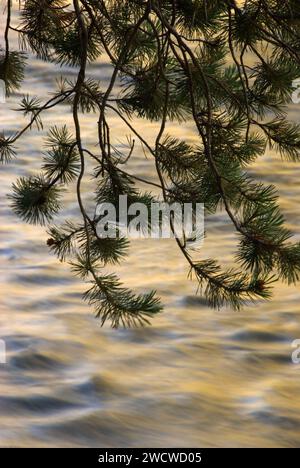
[(196, 377)]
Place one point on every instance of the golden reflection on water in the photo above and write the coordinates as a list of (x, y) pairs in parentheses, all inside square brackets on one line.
[(197, 377)]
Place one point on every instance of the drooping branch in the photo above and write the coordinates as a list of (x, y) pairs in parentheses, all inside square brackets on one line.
[(173, 62)]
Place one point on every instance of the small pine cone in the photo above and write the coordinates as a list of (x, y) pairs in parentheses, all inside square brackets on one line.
[(50, 242), (261, 286)]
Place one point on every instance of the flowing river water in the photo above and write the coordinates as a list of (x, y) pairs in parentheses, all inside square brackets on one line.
[(196, 377)]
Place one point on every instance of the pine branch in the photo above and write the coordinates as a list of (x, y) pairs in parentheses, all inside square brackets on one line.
[(183, 62)]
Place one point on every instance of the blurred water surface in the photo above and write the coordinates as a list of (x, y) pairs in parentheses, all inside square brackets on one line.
[(197, 377)]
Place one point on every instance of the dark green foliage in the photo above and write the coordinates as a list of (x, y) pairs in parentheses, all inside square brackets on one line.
[(31, 106), (61, 161), (7, 151), (35, 200), (200, 16), (41, 21), (227, 67), (230, 287), (12, 69), (62, 239), (119, 305), (178, 160), (109, 250), (285, 137), (67, 46), (274, 80), (144, 94)]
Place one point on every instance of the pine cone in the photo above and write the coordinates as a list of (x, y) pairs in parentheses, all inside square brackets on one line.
[(50, 242)]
